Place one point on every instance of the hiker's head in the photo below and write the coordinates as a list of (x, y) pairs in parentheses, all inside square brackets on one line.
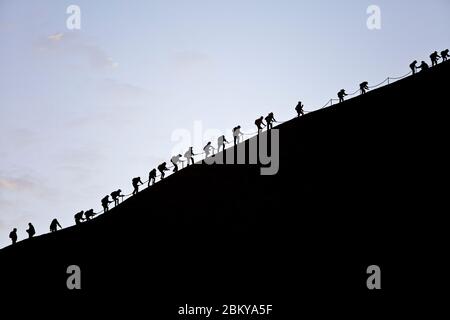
[(14, 229)]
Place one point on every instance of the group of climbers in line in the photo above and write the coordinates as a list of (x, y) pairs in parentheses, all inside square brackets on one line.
[(434, 57), (209, 149), (88, 215), (270, 119)]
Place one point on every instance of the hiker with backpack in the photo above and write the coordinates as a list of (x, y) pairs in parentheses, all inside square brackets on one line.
[(445, 55), (189, 155), (434, 57), (175, 160), (13, 236), (89, 214), (31, 231), (54, 225), (151, 177), (423, 66), (135, 182), (221, 143), (115, 195), (413, 66), (162, 168), (299, 109), (259, 122), (364, 86), (105, 203), (237, 134), (208, 149), (269, 120), (341, 94), (79, 217)]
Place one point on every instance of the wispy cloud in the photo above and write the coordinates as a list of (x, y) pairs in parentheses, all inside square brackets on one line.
[(76, 46), (56, 37), (15, 184)]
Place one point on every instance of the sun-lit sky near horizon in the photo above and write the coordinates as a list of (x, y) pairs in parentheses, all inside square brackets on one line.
[(84, 111)]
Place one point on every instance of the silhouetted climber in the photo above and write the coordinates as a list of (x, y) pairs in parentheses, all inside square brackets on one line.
[(269, 120), (341, 94), (115, 195), (189, 155), (364, 86), (423, 66), (221, 143), (13, 236), (89, 214), (79, 217), (54, 225), (236, 134), (413, 66), (152, 177), (135, 182), (105, 203), (31, 231), (299, 109), (434, 58), (208, 149), (445, 55), (259, 122), (162, 167), (175, 160)]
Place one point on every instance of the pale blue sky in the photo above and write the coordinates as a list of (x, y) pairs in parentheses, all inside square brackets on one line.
[(83, 112)]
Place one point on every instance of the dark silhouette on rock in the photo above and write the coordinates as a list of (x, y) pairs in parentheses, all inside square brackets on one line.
[(355, 187), (341, 94), (259, 122), (79, 217), (136, 182), (445, 55), (237, 134), (364, 86), (13, 236), (89, 214), (151, 177), (208, 149), (269, 120), (221, 141), (189, 155), (54, 225), (31, 231), (115, 195), (299, 109), (413, 66), (434, 57), (175, 160), (162, 169), (105, 203), (423, 66)]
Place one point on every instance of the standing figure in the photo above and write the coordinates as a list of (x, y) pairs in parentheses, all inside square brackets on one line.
[(13, 236), (299, 109)]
